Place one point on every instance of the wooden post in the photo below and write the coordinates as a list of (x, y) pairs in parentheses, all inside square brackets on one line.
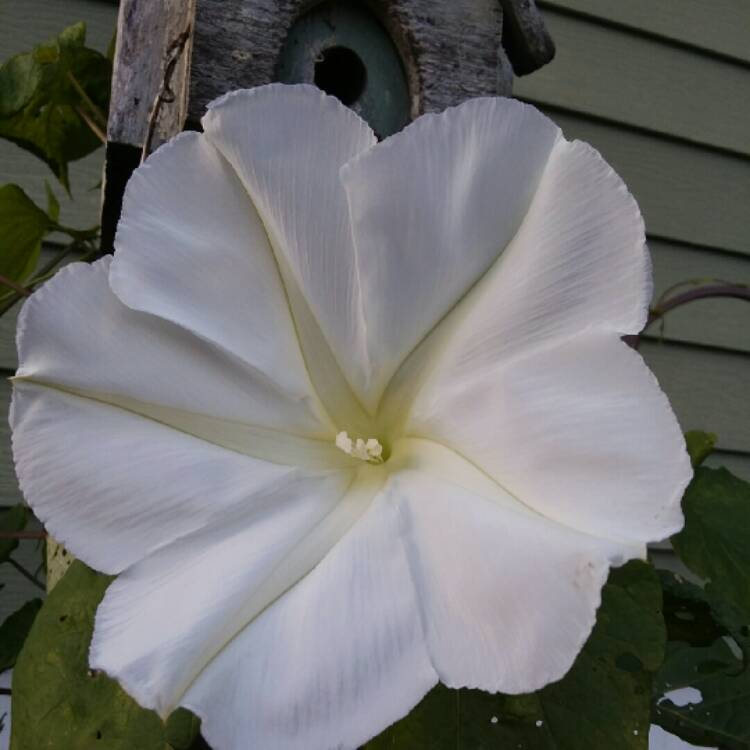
[(149, 91)]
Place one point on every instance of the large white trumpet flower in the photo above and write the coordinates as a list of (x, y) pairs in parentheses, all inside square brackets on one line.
[(349, 418)]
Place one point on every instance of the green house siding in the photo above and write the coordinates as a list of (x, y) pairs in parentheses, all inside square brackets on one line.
[(662, 89)]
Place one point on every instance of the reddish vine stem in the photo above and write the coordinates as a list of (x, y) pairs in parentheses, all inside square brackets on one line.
[(708, 291), (23, 534)]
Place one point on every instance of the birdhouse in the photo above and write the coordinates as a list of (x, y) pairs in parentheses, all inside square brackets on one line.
[(389, 60)]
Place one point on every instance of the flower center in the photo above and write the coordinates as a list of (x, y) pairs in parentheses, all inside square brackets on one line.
[(369, 450)]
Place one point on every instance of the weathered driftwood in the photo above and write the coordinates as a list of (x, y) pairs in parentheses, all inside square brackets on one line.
[(451, 50), (146, 30), (149, 91)]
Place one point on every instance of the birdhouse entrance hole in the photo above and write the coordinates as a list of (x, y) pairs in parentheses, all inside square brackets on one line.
[(343, 49), (340, 72)]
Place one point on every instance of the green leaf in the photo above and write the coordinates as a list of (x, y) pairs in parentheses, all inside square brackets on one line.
[(604, 701), (715, 543), (722, 715), (12, 519), (53, 205), (58, 703), (700, 445), (22, 226), (14, 630), (182, 729), (687, 612), (40, 103)]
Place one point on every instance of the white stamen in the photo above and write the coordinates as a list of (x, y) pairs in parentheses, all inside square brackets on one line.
[(370, 450)]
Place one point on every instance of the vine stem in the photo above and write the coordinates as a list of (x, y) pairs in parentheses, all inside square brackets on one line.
[(22, 290), (706, 291), (23, 534)]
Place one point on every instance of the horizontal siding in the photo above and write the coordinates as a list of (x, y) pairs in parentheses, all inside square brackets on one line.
[(692, 195), (738, 464), (24, 23), (708, 389), (9, 492), (661, 88), (721, 323), (717, 26), (17, 589)]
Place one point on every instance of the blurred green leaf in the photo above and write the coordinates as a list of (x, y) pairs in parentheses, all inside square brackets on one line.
[(14, 630), (604, 701), (687, 612), (42, 108), (53, 205), (715, 545), (12, 519), (23, 225), (720, 714), (182, 729), (700, 445), (58, 703)]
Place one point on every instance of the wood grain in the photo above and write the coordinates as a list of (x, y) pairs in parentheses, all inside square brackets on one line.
[(146, 29), (451, 51)]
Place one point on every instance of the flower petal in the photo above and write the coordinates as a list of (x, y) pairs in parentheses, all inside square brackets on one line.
[(157, 641), (329, 663), (191, 248), (75, 333), (113, 486), (508, 598), (293, 181), (151, 409), (432, 209), (579, 431), (579, 261)]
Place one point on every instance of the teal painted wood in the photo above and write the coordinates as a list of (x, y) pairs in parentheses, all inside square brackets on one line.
[(687, 194), (345, 50), (719, 26), (612, 73), (24, 23)]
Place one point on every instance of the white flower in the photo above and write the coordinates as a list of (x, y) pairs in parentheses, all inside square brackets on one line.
[(348, 419)]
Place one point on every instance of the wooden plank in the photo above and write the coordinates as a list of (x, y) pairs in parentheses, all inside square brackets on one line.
[(149, 35), (719, 26), (687, 194), (22, 25), (708, 389), (720, 322), (614, 74)]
